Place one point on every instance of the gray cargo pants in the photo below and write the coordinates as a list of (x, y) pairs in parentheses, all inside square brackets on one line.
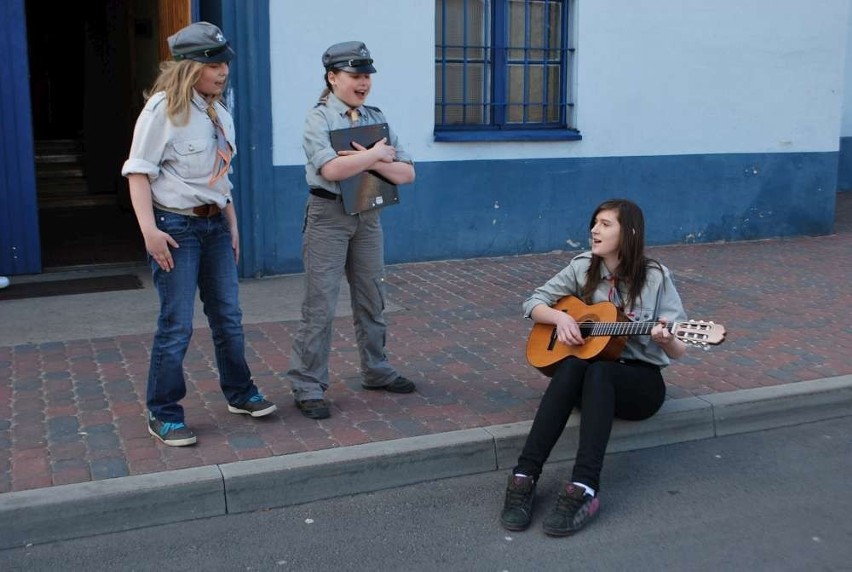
[(334, 242)]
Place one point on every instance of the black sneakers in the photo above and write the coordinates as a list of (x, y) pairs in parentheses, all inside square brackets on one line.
[(257, 406), (517, 508), (172, 434), (574, 509), (314, 408)]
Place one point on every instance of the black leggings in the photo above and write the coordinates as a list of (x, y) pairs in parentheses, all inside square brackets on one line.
[(603, 390)]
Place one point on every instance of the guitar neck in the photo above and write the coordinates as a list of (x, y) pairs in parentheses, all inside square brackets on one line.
[(619, 328)]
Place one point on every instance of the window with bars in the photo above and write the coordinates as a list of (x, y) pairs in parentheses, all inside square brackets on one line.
[(502, 67)]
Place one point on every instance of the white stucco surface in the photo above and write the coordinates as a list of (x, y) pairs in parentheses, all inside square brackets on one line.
[(846, 125), (653, 78)]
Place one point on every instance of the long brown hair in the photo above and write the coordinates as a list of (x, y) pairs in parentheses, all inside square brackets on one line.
[(633, 264), (177, 79)]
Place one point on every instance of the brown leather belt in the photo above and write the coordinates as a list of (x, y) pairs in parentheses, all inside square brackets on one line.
[(206, 211), (322, 193)]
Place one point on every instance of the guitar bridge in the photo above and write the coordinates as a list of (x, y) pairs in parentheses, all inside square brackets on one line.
[(552, 343)]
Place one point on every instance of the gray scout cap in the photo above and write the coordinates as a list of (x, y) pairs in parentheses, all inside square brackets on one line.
[(352, 57), (201, 42)]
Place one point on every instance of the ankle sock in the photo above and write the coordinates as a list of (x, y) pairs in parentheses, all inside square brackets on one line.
[(589, 490)]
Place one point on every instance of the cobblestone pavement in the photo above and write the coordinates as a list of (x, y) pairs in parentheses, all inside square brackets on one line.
[(73, 410)]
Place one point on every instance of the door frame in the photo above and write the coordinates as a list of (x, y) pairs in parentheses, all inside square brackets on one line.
[(20, 245)]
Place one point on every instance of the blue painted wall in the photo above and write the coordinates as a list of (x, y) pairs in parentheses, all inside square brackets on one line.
[(844, 165), (467, 209), (19, 236)]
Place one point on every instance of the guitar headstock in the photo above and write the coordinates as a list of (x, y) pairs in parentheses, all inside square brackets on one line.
[(700, 333)]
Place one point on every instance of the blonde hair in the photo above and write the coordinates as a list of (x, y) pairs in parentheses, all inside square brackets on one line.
[(177, 79)]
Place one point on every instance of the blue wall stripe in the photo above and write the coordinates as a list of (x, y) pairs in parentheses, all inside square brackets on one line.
[(466, 209), (844, 165), (246, 24)]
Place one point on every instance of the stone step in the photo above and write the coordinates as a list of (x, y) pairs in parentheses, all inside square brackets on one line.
[(59, 171), (63, 187), (72, 201)]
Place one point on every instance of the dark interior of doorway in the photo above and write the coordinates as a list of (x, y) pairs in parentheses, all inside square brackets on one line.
[(83, 109)]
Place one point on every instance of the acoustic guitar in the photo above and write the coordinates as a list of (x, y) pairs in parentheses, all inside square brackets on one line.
[(605, 331)]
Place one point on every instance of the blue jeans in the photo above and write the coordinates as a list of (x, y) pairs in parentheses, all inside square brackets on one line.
[(204, 262)]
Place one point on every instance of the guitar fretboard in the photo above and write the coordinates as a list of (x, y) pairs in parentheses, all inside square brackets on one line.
[(618, 328)]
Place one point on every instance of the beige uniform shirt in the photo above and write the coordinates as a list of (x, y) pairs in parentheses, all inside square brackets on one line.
[(658, 299), (330, 115), (179, 159)]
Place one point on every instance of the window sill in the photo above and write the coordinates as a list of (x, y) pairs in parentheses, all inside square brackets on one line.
[(509, 135)]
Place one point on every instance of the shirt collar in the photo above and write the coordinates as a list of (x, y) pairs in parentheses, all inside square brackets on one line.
[(337, 105), (199, 101)]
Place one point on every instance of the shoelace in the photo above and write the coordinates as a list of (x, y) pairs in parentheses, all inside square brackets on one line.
[(568, 504), (256, 398), (168, 427), (517, 497)]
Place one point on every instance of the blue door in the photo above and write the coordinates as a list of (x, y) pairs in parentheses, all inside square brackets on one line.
[(20, 249)]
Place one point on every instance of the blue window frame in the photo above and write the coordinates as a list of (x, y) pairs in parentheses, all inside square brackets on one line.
[(503, 70)]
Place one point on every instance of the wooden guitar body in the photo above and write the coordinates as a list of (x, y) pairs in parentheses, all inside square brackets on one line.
[(545, 352), (605, 331)]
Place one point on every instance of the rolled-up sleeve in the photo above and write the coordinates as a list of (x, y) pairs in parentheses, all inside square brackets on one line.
[(316, 141), (401, 154), (150, 137)]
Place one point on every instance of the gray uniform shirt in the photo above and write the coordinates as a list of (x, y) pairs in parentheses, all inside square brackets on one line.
[(328, 116), (179, 159), (658, 286)]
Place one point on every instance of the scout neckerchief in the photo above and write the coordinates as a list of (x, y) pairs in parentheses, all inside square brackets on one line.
[(222, 162), (614, 295)]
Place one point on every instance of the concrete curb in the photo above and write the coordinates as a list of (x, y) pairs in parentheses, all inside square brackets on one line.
[(97, 507), (111, 505)]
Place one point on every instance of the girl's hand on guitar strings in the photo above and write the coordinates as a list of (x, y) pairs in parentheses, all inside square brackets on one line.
[(567, 330)]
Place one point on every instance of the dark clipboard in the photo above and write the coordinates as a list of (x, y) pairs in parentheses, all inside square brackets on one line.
[(368, 190)]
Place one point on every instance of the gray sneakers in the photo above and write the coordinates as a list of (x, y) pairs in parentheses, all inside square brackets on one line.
[(172, 434), (257, 406)]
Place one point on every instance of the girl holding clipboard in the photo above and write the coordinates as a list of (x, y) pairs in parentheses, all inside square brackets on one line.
[(335, 242)]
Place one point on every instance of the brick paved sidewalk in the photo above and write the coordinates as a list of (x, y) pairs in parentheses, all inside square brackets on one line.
[(73, 411)]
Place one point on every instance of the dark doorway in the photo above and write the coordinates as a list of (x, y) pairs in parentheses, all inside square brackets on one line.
[(89, 62)]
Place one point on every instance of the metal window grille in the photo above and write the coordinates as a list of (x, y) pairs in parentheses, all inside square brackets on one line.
[(501, 64)]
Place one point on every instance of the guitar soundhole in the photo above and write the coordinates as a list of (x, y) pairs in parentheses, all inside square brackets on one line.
[(587, 323)]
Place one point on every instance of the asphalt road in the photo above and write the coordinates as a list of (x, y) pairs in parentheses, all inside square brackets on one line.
[(774, 500)]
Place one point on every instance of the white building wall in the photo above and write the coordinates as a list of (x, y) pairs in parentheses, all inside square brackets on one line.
[(846, 126), (653, 78)]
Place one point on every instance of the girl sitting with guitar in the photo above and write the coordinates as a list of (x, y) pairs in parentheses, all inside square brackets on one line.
[(627, 385)]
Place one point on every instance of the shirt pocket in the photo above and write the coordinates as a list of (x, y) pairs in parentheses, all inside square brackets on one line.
[(192, 158), (641, 314)]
